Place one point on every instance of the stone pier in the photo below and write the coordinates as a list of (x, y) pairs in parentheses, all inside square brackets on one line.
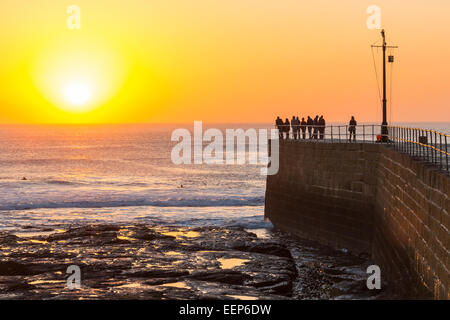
[(368, 198)]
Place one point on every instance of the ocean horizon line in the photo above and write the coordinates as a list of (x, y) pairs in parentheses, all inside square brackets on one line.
[(190, 123)]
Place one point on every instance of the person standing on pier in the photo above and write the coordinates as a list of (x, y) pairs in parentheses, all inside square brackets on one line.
[(352, 129), (279, 125), (287, 128), (315, 127), (303, 128), (294, 127), (310, 124), (322, 127)]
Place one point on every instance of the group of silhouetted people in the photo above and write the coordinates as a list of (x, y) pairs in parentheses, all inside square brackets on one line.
[(315, 128)]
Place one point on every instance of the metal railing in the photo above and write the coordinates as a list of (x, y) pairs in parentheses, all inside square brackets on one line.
[(424, 144)]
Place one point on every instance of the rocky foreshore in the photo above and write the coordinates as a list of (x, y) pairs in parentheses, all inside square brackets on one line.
[(159, 262)]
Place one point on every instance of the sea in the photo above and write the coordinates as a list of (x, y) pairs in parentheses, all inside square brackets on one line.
[(76, 174)]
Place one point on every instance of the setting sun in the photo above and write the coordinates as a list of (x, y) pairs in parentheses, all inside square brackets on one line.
[(79, 78), (77, 94)]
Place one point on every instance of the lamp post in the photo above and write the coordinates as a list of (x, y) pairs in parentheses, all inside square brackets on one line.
[(384, 128)]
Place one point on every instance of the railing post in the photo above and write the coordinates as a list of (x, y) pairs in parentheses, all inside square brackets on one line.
[(425, 148), (398, 138), (331, 129), (416, 140), (435, 145), (429, 150), (402, 131), (406, 140), (422, 152), (390, 134), (431, 147), (440, 151), (409, 142), (446, 151), (395, 137)]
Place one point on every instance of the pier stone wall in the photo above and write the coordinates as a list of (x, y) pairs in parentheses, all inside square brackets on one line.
[(370, 199)]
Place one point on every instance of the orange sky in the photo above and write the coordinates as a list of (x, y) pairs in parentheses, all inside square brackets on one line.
[(220, 61)]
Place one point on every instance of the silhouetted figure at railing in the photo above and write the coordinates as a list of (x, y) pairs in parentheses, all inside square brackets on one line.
[(352, 129), (315, 127), (303, 128), (321, 127), (287, 128), (310, 124), (279, 124), (294, 127)]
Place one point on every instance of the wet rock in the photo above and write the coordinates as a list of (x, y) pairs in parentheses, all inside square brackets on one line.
[(266, 280), (162, 262), (150, 235), (156, 273), (8, 238), (274, 249), (14, 284), (229, 277), (283, 288), (333, 271), (12, 268)]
